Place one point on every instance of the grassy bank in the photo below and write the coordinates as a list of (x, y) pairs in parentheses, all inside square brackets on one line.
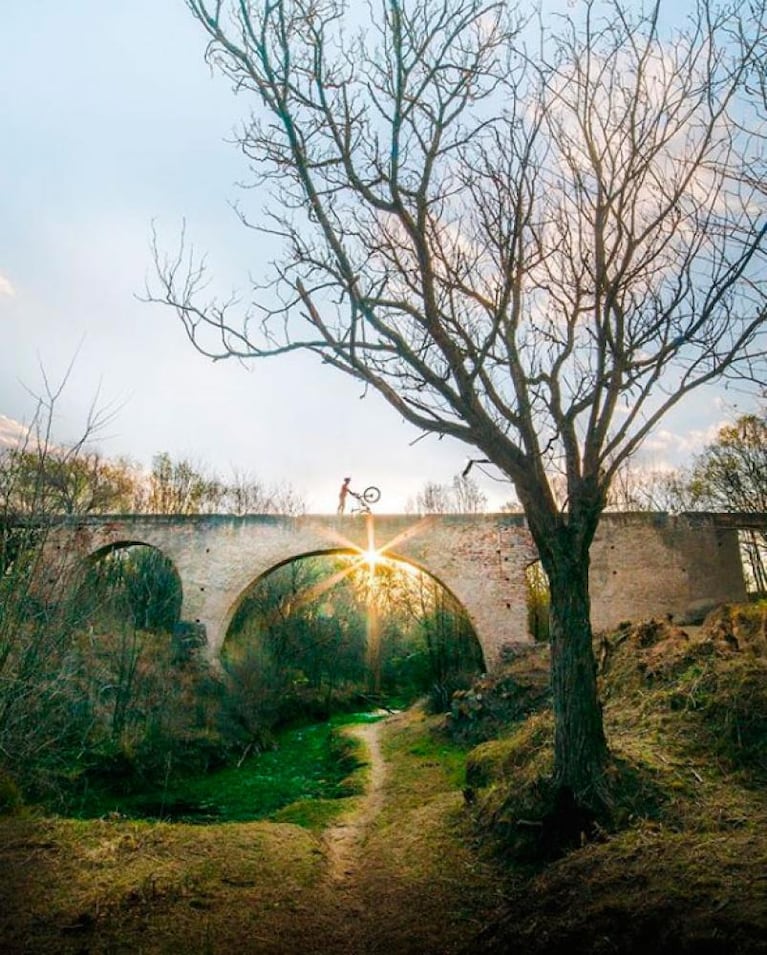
[(313, 763), (117, 885), (680, 863)]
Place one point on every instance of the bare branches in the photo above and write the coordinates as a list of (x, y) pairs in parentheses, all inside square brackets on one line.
[(537, 254)]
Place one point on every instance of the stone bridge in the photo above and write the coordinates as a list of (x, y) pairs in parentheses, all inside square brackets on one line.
[(641, 564)]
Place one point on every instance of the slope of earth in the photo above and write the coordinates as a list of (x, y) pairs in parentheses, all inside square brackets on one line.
[(683, 867)]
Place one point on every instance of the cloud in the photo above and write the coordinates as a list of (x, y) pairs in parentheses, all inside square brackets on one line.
[(675, 445), (5, 286), (12, 433)]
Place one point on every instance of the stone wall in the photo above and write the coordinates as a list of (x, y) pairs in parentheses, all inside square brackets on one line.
[(646, 565), (641, 564)]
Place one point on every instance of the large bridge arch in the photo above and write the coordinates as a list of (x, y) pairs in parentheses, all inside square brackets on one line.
[(254, 580), (390, 555), (641, 564)]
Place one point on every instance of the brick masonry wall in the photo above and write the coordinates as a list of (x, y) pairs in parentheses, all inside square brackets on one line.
[(646, 565), (640, 564)]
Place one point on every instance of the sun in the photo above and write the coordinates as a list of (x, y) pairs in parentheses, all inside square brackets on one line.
[(372, 557)]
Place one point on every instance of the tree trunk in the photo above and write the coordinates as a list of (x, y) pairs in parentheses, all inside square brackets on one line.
[(580, 748)]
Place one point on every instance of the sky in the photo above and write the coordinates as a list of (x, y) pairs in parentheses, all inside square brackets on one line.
[(111, 123)]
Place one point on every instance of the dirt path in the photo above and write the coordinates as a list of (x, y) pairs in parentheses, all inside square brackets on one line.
[(401, 876), (398, 875), (345, 839)]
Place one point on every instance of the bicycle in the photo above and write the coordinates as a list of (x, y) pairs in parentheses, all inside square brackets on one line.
[(371, 495)]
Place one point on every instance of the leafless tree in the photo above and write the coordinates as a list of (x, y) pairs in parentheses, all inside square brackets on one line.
[(731, 475), (181, 487), (463, 496), (37, 606), (246, 494), (433, 498), (638, 489), (538, 252), (469, 499)]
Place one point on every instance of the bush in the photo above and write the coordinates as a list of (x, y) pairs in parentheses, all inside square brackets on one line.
[(494, 704)]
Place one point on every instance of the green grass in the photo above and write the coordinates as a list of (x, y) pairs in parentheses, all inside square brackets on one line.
[(314, 814), (450, 755), (309, 771)]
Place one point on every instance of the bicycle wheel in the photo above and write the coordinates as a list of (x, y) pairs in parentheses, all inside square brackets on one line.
[(371, 494)]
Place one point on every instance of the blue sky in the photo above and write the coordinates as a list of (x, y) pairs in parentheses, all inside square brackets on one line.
[(111, 121)]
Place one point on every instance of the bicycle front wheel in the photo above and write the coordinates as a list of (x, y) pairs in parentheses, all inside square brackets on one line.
[(371, 494)]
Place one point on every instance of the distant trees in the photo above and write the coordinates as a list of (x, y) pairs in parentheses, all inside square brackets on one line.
[(51, 480), (181, 487), (246, 494), (463, 496), (178, 487), (731, 475), (637, 489), (60, 482), (731, 472)]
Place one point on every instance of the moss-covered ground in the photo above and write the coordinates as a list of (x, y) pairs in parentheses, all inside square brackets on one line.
[(311, 764)]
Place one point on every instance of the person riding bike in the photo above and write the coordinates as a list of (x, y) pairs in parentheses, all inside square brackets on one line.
[(369, 496), (345, 489)]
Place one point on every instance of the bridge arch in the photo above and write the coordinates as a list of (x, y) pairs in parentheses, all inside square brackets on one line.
[(138, 578), (391, 557)]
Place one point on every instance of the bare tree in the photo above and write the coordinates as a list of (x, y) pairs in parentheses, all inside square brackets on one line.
[(180, 487), (463, 496), (246, 494), (38, 610), (69, 481), (469, 499), (731, 475), (538, 253), (433, 498), (638, 489)]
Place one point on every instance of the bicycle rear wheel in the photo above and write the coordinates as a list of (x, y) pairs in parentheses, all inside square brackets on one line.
[(371, 494)]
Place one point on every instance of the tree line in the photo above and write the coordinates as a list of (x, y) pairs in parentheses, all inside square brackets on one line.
[(729, 475), (54, 480)]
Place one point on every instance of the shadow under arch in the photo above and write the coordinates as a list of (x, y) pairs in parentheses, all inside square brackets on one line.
[(150, 585), (362, 559)]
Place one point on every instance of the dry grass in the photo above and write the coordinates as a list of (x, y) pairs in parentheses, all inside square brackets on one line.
[(682, 865), (125, 886)]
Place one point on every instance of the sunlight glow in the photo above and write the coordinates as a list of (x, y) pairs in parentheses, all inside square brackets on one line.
[(372, 557)]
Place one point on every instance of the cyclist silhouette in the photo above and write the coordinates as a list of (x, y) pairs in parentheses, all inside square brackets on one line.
[(369, 496), (345, 489)]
